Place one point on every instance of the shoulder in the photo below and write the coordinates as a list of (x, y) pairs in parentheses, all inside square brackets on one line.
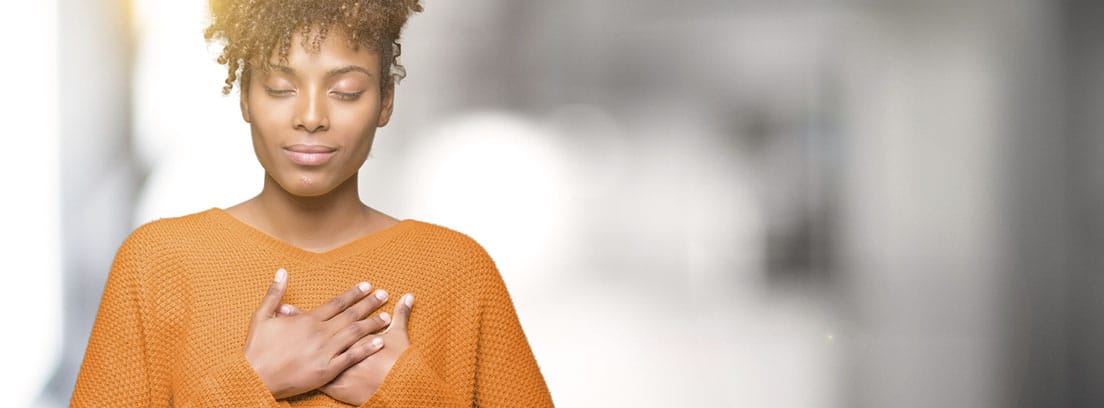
[(437, 238), (466, 258), (163, 235), (455, 251)]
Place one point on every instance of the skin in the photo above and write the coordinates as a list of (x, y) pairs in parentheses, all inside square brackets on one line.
[(330, 98), (315, 207), (356, 384)]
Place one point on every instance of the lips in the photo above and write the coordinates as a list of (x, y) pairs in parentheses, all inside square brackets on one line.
[(309, 155)]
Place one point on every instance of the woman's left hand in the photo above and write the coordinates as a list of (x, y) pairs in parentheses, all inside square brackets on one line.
[(357, 383)]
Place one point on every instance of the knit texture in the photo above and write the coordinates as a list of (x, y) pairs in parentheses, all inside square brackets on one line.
[(177, 305)]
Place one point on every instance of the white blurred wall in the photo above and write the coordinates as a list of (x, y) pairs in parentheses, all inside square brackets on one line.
[(29, 208)]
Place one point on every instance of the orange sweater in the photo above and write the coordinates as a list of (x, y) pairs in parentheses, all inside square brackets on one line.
[(176, 310)]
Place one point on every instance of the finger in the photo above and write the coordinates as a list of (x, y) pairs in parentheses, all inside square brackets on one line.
[(287, 310), (356, 353), (356, 332), (342, 301), (402, 312), (272, 298), (362, 308)]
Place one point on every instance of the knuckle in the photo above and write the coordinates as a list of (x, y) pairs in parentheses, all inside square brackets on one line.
[(349, 359), (356, 330), (338, 303), (356, 310), (364, 350)]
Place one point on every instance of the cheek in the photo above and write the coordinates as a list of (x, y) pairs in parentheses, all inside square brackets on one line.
[(270, 122), (265, 134), (357, 127), (271, 115), (260, 148)]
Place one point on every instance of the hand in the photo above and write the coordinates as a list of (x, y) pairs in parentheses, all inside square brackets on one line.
[(296, 354), (357, 383)]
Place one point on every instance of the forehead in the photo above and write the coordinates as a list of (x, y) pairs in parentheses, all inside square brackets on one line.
[(315, 51)]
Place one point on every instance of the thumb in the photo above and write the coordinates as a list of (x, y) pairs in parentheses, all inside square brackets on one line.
[(272, 298), (402, 313)]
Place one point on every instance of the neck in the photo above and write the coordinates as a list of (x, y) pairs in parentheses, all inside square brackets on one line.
[(314, 223)]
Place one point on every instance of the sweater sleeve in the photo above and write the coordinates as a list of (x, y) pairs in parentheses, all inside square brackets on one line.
[(115, 369), (506, 373), (119, 370), (228, 383)]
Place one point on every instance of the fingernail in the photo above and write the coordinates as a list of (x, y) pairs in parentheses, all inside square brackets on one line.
[(281, 275), (364, 287), (385, 317), (381, 294), (285, 309), (409, 300), (377, 342)]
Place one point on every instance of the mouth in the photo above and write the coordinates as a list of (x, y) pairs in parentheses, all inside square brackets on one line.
[(309, 155)]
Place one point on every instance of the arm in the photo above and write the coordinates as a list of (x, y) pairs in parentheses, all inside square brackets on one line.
[(506, 373), (115, 370), (125, 363), (229, 383)]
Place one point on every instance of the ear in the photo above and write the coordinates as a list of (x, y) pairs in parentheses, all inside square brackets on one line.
[(387, 105), (244, 101)]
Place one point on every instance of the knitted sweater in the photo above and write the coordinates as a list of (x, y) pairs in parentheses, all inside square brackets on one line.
[(177, 305)]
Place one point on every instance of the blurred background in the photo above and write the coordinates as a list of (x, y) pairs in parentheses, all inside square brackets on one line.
[(710, 203)]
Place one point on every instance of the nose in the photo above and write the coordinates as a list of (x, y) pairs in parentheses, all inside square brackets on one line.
[(311, 113)]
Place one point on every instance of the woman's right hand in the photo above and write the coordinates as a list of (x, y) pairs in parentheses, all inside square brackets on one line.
[(299, 353)]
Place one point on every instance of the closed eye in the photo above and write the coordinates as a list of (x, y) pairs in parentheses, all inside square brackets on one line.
[(279, 92), (348, 96)]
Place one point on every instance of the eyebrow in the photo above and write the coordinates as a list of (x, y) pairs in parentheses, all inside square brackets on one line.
[(333, 72)]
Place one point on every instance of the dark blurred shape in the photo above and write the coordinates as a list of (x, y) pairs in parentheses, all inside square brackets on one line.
[(1056, 224)]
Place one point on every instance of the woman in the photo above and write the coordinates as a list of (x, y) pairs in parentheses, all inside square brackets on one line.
[(180, 324)]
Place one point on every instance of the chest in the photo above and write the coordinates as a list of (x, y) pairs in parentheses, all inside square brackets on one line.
[(204, 308)]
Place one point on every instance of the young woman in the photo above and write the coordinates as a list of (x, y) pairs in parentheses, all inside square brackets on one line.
[(191, 315)]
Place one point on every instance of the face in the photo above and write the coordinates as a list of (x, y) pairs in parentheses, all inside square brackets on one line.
[(314, 117)]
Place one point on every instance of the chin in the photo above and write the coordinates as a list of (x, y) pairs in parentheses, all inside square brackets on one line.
[(306, 185)]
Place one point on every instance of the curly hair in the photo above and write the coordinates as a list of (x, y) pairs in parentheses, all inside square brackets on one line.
[(251, 31)]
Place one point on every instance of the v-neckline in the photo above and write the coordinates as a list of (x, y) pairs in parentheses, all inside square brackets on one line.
[(355, 246)]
